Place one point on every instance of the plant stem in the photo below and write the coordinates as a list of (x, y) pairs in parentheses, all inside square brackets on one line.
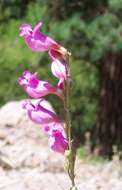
[(71, 158)]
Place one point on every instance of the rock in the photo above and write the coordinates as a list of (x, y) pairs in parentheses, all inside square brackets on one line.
[(11, 114), (46, 181)]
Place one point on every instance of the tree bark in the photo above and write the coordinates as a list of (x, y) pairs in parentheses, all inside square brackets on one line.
[(109, 125)]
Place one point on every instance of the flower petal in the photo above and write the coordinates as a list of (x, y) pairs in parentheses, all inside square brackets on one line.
[(39, 113), (35, 39), (37, 88), (58, 69)]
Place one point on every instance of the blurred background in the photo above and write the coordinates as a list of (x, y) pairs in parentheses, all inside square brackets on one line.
[(92, 31)]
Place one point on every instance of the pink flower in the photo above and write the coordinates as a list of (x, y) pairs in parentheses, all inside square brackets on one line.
[(59, 69), (39, 112), (48, 129), (59, 65), (57, 140), (37, 88), (36, 40)]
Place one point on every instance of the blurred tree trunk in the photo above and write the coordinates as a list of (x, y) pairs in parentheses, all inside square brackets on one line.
[(109, 126)]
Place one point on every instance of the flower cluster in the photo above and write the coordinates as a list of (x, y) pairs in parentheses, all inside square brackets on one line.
[(37, 110)]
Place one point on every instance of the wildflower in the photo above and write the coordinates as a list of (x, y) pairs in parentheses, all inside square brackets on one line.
[(37, 40), (37, 88), (59, 69), (57, 138), (39, 112)]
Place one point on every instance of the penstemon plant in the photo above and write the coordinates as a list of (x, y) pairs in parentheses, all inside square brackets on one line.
[(58, 131)]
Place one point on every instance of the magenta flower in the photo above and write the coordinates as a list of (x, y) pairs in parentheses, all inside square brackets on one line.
[(39, 112), (48, 129), (57, 139), (36, 40), (37, 88)]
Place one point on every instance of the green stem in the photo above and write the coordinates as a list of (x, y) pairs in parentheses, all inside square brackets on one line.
[(72, 151)]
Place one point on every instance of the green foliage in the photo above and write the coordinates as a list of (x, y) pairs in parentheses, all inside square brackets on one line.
[(82, 153), (115, 5), (12, 9), (92, 158)]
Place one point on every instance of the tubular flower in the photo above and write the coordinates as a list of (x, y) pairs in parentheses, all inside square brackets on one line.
[(37, 88), (57, 142), (37, 40), (39, 112), (59, 69), (57, 138)]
